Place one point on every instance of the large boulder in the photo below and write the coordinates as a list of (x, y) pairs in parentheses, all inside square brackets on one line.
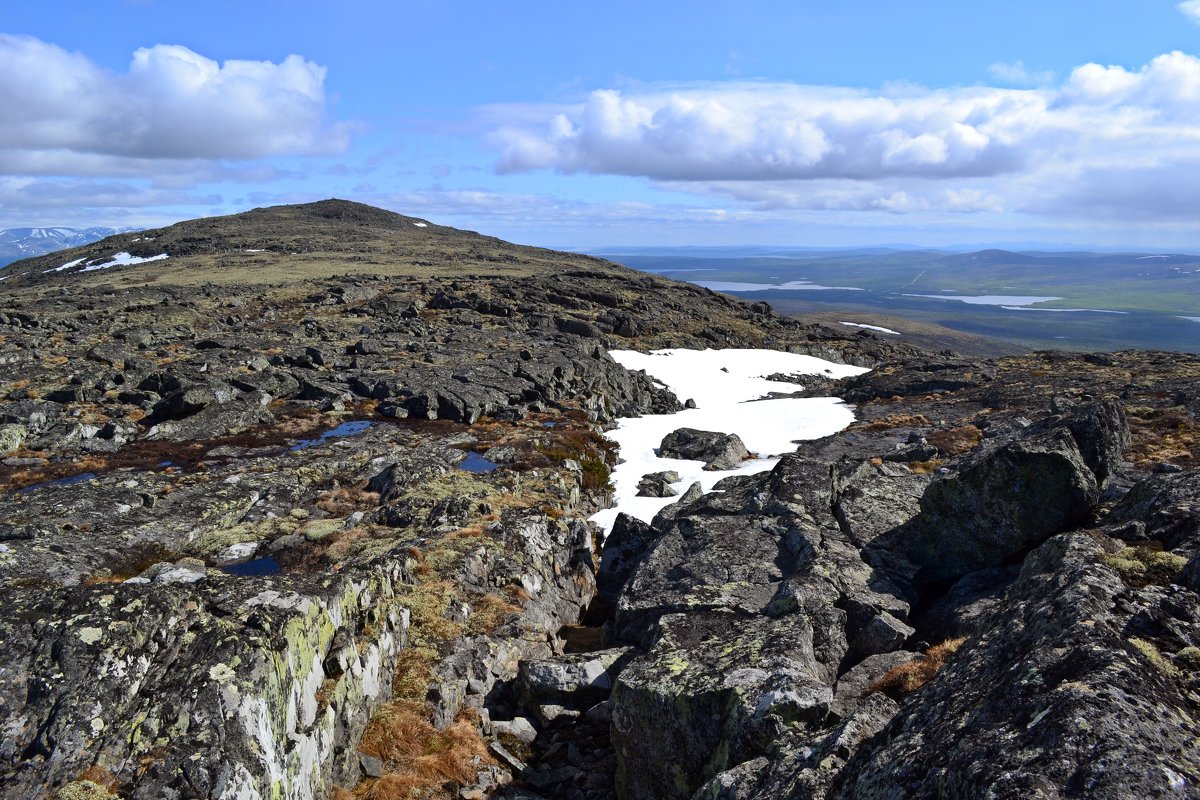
[(1005, 502), (717, 450), (1070, 689), (715, 691)]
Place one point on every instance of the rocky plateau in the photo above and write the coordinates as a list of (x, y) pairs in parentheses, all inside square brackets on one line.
[(294, 505)]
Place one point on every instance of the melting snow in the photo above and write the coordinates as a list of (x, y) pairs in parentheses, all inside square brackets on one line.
[(722, 383), (67, 265), (870, 327), (122, 259), (420, 225)]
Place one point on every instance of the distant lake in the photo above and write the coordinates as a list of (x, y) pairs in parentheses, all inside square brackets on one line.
[(990, 299)]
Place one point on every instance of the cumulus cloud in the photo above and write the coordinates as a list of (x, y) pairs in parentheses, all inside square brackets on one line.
[(1191, 8), (969, 149), (63, 114)]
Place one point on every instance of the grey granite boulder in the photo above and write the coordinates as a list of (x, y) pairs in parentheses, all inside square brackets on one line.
[(717, 450)]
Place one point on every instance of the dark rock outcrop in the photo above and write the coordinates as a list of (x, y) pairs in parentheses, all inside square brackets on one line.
[(716, 450)]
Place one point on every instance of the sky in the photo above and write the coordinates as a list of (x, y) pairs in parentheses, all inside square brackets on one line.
[(590, 125)]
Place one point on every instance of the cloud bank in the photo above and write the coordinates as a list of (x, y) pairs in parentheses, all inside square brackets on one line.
[(65, 115), (906, 149)]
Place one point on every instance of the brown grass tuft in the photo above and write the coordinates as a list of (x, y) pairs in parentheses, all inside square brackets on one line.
[(1163, 434), (955, 441), (345, 500), (924, 467), (914, 674), (893, 421), (101, 777), (488, 613), (417, 756)]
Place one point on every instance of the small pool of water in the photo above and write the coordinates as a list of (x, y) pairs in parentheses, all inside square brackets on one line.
[(477, 463), (70, 480), (257, 566), (353, 428)]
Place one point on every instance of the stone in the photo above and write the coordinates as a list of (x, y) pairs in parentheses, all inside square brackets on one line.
[(658, 484), (717, 450)]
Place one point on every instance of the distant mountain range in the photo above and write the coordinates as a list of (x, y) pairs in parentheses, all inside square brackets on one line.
[(18, 243)]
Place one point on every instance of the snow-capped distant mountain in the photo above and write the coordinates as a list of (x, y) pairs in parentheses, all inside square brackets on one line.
[(18, 243)]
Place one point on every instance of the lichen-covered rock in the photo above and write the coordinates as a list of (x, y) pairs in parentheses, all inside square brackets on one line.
[(1067, 691), (715, 690), (983, 515)]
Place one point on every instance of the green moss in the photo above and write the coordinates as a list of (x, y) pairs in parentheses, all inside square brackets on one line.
[(84, 790), (1144, 565), (1155, 656), (1189, 659)]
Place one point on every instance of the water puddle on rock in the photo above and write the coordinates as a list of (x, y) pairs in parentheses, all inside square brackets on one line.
[(70, 480), (477, 464), (249, 569), (346, 429)]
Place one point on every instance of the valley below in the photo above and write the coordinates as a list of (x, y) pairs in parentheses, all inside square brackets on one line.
[(1031, 301), (323, 501)]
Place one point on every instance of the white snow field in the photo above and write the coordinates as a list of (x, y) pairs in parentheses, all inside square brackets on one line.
[(865, 326), (118, 260), (726, 386)]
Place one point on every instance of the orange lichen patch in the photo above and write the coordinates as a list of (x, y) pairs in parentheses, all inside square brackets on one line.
[(914, 674), (892, 421), (417, 756), (955, 441), (1163, 434)]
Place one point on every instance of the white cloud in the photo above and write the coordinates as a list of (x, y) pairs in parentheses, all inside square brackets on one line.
[(908, 149), (1017, 74), (1191, 8), (63, 114)]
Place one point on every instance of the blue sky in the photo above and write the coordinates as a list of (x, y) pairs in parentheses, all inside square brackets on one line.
[(586, 125)]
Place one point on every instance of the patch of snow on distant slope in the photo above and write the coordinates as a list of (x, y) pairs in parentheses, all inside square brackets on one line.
[(123, 259), (420, 225), (67, 265), (722, 383), (870, 327)]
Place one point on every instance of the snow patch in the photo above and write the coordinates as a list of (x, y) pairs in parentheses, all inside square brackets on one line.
[(123, 259), (67, 265), (870, 327), (722, 383), (420, 225)]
